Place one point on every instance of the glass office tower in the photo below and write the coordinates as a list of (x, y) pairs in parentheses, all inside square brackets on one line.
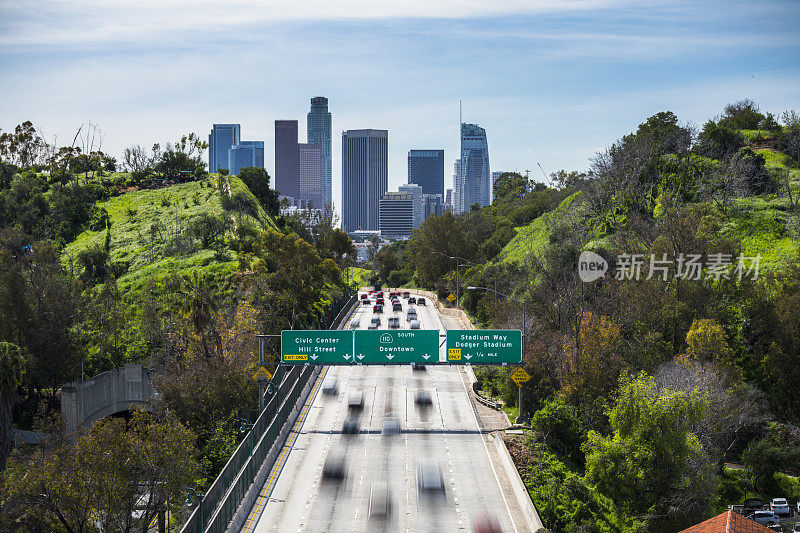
[(475, 183), (426, 169), (220, 140), (365, 177), (287, 159), (319, 132)]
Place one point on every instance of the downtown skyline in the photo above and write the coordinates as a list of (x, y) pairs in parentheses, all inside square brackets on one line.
[(551, 85)]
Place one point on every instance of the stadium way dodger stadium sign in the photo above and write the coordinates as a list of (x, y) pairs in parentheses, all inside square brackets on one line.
[(484, 346)]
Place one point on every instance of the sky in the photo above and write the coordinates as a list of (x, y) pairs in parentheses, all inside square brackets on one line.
[(552, 82)]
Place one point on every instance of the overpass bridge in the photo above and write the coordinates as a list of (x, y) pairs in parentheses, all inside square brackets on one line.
[(106, 394)]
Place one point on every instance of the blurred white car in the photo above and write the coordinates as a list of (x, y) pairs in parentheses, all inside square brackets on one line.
[(780, 506), (355, 323)]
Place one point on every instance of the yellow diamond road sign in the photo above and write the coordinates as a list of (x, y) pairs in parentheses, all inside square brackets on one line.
[(520, 376), (451, 298), (262, 373)]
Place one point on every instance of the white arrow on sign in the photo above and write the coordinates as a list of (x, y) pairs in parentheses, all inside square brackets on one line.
[(346, 356), (425, 356), (389, 357), (314, 357), (467, 357), (361, 357)]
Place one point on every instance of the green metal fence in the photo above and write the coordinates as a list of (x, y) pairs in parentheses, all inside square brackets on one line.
[(221, 501)]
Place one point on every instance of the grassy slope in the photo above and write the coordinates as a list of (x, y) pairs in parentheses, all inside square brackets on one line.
[(134, 214), (535, 236), (760, 224)]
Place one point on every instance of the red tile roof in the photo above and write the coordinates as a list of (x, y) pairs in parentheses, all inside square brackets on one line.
[(727, 522)]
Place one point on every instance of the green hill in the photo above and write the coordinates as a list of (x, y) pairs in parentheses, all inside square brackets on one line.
[(150, 231), (535, 236)]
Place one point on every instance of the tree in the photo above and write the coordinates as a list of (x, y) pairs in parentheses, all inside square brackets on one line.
[(257, 180), (22, 148), (652, 464), (290, 277), (435, 240), (97, 482), (592, 363), (718, 141), (742, 115), (707, 341), (735, 410), (198, 305), (509, 186), (557, 426), (12, 368), (207, 228), (665, 133), (137, 162)]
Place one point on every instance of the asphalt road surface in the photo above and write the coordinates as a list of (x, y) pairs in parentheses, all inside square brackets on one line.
[(297, 498)]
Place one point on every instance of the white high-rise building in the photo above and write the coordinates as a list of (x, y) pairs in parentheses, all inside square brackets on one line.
[(417, 210)]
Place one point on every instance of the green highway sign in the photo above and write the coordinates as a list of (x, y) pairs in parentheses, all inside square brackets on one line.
[(384, 347), (316, 347), (484, 346)]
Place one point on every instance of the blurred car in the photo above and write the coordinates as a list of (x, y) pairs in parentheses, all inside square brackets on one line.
[(765, 518), (378, 308), (412, 300), (390, 426), (429, 477), (406, 294), (414, 324), (350, 426), (335, 467), (420, 301), (411, 314), (780, 506), (329, 386), (366, 302), (355, 323), (394, 322), (486, 524), (422, 397), (397, 306), (380, 501), (356, 399), (417, 366)]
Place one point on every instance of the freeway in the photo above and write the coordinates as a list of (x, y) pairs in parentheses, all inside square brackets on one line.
[(295, 496)]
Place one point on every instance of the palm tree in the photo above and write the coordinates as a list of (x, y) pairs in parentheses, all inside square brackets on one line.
[(198, 305), (12, 367)]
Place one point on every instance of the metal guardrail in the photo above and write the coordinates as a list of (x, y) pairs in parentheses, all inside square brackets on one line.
[(217, 508)]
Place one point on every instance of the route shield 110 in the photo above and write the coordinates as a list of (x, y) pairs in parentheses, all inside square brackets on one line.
[(381, 347), (316, 347), (484, 346)]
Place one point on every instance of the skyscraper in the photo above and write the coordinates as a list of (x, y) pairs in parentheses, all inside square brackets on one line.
[(258, 152), (426, 168), (475, 183), (365, 177), (319, 132), (458, 183), (395, 214), (310, 175), (240, 156), (431, 205), (417, 209), (287, 159), (220, 140)]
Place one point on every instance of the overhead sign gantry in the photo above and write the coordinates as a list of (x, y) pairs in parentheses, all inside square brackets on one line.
[(392, 347)]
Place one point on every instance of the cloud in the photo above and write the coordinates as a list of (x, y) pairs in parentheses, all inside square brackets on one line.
[(81, 21)]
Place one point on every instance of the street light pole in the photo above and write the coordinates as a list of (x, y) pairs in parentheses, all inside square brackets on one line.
[(520, 419)]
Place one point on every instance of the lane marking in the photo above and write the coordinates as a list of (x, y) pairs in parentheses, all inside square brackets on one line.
[(263, 498), (486, 448)]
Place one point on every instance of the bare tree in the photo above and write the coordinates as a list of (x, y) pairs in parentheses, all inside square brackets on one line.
[(736, 410)]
